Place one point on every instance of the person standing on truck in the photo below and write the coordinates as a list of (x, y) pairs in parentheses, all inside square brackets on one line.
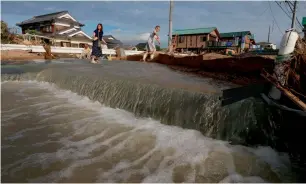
[(151, 49)]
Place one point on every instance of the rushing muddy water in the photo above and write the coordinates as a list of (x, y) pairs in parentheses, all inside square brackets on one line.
[(129, 122), (54, 135)]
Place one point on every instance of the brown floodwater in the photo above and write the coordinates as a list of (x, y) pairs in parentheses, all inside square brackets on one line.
[(53, 135)]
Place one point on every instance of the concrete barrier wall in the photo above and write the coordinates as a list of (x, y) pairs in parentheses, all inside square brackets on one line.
[(67, 50)]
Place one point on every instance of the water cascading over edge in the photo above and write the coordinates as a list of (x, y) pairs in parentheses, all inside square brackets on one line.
[(239, 123)]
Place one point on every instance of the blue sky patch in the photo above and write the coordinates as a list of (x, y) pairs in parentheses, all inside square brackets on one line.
[(132, 21)]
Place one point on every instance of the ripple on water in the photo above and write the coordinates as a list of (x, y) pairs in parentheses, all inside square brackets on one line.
[(68, 138)]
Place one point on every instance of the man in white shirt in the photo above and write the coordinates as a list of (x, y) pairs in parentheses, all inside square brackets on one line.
[(151, 43)]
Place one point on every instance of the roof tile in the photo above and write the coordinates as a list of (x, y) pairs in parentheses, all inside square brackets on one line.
[(234, 34), (193, 31)]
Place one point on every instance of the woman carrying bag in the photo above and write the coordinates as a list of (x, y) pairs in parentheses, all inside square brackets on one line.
[(96, 44)]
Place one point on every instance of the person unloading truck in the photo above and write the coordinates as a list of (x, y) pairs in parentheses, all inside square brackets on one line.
[(151, 49)]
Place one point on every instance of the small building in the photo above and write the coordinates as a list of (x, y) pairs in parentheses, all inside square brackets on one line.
[(304, 24), (60, 27), (112, 42), (194, 39), (242, 39), (266, 46)]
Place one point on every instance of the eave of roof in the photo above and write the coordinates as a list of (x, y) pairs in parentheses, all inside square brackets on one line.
[(50, 17), (113, 40), (75, 38), (41, 18), (63, 30), (251, 37), (193, 31), (235, 34), (68, 21)]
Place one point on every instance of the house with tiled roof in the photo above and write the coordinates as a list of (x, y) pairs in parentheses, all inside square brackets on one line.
[(112, 42), (60, 27), (194, 39)]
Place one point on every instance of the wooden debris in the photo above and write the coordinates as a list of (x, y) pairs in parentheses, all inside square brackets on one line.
[(285, 90), (48, 54)]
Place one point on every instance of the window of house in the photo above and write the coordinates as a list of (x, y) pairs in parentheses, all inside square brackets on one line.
[(47, 29), (190, 38), (202, 38), (181, 39), (65, 44), (74, 45)]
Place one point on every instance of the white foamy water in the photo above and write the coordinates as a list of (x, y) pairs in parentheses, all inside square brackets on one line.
[(54, 135)]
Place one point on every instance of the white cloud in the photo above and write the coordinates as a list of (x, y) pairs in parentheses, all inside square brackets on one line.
[(117, 30), (49, 9), (144, 36), (137, 12), (131, 38)]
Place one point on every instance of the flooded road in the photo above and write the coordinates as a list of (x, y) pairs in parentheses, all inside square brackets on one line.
[(54, 135)]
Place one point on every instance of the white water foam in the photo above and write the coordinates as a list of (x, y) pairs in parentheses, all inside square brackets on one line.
[(190, 146)]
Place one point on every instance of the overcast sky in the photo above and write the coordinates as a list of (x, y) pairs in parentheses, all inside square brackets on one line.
[(132, 21)]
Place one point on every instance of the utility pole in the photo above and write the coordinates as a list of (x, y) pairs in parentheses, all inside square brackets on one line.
[(269, 35), (293, 14), (170, 27)]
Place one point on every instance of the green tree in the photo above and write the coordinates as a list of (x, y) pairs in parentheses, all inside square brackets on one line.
[(32, 32), (157, 48), (5, 34), (141, 46)]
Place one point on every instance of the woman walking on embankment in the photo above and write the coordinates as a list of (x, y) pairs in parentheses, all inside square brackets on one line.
[(96, 44)]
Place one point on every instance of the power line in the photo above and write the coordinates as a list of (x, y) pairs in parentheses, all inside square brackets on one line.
[(283, 10), (274, 18), (290, 4), (264, 11), (288, 9), (288, 14)]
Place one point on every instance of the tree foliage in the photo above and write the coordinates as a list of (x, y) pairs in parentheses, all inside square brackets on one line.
[(5, 34), (32, 32), (141, 46)]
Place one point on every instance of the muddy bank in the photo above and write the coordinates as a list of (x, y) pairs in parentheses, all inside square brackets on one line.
[(24, 57), (229, 77), (243, 69), (242, 64), (9, 56)]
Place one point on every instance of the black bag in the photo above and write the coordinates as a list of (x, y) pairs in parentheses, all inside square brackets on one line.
[(99, 41)]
